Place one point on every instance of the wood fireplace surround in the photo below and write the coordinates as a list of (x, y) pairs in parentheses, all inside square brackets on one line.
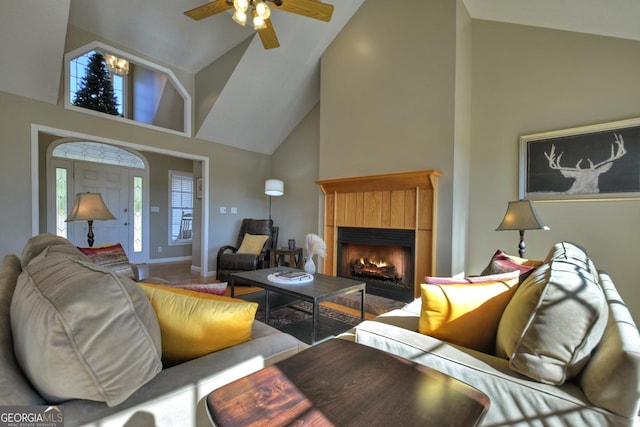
[(403, 200)]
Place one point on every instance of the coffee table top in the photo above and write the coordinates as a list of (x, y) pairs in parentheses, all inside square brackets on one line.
[(338, 382), (322, 287)]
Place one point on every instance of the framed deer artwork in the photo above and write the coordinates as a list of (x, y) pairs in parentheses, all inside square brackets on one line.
[(591, 162)]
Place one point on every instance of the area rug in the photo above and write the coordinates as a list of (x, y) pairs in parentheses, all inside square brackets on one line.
[(300, 311)]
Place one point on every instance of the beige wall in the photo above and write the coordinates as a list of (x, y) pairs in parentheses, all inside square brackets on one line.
[(236, 176), (296, 163), (528, 80), (387, 99), (461, 141), (426, 87)]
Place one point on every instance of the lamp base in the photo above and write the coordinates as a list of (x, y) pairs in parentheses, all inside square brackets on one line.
[(90, 233), (522, 247)]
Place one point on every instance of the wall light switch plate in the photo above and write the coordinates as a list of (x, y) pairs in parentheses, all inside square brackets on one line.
[(223, 209), (234, 211)]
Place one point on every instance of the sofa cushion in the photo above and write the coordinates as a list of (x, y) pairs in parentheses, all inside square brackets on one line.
[(15, 388), (111, 256), (611, 379), (81, 331), (553, 322), (194, 324), (501, 262), (36, 244), (252, 243), (568, 251), (465, 314)]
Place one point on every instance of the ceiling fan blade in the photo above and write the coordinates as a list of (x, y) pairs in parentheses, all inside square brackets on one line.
[(208, 9), (309, 8), (268, 36)]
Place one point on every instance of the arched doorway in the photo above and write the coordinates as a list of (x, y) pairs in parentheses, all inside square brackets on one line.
[(119, 175)]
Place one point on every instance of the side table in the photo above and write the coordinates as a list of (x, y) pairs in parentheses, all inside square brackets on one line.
[(342, 383), (281, 255)]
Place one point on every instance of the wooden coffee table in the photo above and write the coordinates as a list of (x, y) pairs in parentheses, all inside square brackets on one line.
[(343, 383), (322, 288)]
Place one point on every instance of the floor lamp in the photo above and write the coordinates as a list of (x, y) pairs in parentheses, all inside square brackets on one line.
[(89, 207), (521, 215), (273, 187)]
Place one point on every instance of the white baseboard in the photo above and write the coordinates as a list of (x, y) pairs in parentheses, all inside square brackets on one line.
[(164, 260), (198, 270)]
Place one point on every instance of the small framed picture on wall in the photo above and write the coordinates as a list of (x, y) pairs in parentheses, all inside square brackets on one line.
[(591, 162)]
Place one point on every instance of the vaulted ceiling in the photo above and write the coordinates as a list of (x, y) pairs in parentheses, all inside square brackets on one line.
[(269, 91)]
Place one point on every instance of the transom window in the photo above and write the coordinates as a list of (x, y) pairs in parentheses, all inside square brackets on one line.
[(98, 153)]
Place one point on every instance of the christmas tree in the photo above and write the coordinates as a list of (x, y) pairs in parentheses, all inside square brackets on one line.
[(96, 90)]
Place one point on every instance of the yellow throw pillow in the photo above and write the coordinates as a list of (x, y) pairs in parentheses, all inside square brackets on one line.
[(252, 244), (193, 324), (465, 314)]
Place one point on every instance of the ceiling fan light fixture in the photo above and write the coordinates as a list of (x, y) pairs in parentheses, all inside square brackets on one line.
[(262, 9), (241, 5), (240, 17), (259, 23), (261, 13)]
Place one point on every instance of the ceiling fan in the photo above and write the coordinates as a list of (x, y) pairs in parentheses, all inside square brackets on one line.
[(260, 13)]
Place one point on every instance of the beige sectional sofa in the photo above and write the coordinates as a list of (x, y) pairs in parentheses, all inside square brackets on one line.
[(567, 351), (113, 375)]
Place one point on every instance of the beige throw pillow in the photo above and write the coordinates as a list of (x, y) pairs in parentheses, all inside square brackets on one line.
[(81, 331), (552, 323)]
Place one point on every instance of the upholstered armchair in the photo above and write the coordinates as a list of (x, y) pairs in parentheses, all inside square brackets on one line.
[(252, 250)]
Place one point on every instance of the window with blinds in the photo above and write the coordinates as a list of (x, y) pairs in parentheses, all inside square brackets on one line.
[(180, 207)]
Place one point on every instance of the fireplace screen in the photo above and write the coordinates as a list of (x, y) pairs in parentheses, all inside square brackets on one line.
[(383, 258)]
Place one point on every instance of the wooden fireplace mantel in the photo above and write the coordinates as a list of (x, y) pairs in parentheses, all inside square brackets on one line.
[(402, 200)]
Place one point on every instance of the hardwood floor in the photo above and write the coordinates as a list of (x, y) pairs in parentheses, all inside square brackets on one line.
[(176, 272), (181, 272)]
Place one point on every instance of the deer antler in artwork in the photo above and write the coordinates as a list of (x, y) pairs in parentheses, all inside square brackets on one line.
[(586, 179)]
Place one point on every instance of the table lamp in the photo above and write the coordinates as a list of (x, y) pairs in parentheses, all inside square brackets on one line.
[(89, 207), (521, 215)]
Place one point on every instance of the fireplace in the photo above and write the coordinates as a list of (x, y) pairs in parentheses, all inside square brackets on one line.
[(382, 258), (401, 202)]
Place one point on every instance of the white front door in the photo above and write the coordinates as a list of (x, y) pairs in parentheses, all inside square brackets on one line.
[(113, 183), (116, 186)]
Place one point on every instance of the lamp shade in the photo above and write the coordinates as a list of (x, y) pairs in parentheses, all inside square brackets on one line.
[(273, 187), (521, 215), (89, 207)]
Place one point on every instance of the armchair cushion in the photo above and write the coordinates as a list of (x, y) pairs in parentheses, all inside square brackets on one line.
[(194, 324), (239, 262), (252, 244)]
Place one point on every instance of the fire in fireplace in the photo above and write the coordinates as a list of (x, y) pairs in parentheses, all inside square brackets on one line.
[(372, 267), (382, 258)]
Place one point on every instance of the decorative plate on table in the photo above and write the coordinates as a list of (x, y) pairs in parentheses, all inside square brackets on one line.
[(290, 277)]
